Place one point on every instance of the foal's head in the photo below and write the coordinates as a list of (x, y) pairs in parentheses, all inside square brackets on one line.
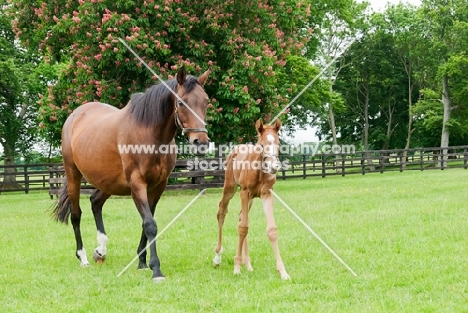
[(268, 139), (191, 115)]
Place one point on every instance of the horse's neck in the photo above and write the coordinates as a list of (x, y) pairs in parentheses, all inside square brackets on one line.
[(166, 131)]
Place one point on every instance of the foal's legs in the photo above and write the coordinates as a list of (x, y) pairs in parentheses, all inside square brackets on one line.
[(73, 188), (242, 228), (228, 192), (97, 201), (271, 230), (153, 198), (245, 247)]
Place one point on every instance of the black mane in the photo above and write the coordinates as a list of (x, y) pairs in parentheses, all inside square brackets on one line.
[(155, 104)]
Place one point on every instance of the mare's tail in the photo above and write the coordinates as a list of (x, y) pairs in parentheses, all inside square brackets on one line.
[(61, 210)]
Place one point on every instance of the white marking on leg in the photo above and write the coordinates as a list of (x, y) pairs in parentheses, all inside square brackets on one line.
[(217, 258), (102, 241), (82, 255)]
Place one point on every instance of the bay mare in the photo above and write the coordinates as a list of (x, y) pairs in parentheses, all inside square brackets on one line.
[(242, 169), (90, 139)]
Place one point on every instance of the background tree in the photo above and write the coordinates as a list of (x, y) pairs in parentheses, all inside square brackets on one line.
[(447, 28), (22, 79), (339, 27), (247, 46)]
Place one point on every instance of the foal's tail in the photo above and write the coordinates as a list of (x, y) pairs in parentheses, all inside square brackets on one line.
[(61, 210)]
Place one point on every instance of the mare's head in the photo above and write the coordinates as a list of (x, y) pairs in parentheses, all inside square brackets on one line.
[(190, 113), (268, 139)]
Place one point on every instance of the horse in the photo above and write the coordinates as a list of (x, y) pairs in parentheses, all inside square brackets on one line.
[(93, 140), (253, 168)]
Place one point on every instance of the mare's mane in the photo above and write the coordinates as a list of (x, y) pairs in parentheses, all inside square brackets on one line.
[(155, 104)]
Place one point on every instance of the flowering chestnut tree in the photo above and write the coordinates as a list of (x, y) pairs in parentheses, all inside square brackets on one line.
[(246, 45)]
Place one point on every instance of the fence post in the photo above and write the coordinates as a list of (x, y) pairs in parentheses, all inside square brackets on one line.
[(26, 180), (304, 168), (401, 163), (465, 155), (343, 165), (421, 159), (323, 165), (283, 169), (382, 161), (363, 165)]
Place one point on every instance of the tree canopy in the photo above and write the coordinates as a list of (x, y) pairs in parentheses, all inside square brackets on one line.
[(247, 46)]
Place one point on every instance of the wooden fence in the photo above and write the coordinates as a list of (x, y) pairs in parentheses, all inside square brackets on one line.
[(210, 175), (375, 161)]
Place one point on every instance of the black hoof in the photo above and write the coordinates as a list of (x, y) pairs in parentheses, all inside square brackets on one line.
[(142, 266)]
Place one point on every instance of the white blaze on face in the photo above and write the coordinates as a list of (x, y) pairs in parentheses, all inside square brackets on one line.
[(271, 138), (271, 161)]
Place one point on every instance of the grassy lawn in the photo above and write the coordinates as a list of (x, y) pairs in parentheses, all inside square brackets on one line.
[(405, 234)]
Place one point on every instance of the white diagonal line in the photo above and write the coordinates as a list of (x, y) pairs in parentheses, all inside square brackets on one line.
[(162, 231), (310, 83), (160, 79), (315, 234)]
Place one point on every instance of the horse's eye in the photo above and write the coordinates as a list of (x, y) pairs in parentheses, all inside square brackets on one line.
[(180, 103)]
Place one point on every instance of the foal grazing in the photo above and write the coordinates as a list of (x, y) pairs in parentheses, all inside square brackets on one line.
[(92, 138), (253, 168)]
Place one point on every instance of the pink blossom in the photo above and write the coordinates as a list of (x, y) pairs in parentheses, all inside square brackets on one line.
[(219, 110), (116, 49), (245, 89), (259, 100), (236, 110), (98, 56), (232, 87)]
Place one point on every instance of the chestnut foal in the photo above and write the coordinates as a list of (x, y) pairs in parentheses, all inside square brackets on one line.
[(253, 168)]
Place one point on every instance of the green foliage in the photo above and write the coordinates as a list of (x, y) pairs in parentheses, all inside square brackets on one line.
[(23, 77), (247, 46)]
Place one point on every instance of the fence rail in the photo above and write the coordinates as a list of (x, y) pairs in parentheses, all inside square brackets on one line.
[(49, 176)]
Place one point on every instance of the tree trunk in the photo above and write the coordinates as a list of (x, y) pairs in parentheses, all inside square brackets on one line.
[(9, 175), (410, 121), (366, 131), (444, 140), (331, 121)]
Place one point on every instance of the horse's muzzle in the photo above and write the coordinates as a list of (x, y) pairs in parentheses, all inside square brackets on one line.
[(199, 148)]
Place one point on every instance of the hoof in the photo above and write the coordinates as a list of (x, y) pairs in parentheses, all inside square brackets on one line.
[(142, 266), (85, 264), (237, 270), (98, 258), (158, 279), (285, 276), (217, 260)]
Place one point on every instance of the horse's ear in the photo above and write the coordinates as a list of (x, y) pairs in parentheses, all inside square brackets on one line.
[(181, 76), (277, 124), (259, 126), (202, 79)]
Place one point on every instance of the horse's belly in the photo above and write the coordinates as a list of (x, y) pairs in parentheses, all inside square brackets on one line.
[(111, 183)]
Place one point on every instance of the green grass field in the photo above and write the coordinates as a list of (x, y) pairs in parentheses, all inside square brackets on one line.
[(405, 234)]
